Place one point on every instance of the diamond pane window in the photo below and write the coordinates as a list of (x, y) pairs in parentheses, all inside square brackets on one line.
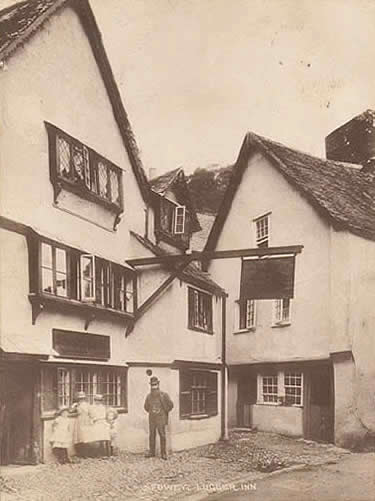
[(63, 157), (115, 191), (103, 179)]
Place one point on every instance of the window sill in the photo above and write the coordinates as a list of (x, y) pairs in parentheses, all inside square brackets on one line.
[(90, 310), (281, 324), (198, 417), (199, 329), (245, 331), (277, 404), (83, 192)]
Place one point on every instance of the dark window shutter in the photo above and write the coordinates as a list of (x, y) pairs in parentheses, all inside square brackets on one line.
[(98, 289), (124, 389), (49, 388), (242, 311), (191, 307), (212, 394), (185, 393), (209, 312), (33, 252)]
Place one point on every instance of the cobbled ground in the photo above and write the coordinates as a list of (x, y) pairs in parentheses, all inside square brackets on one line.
[(133, 477)]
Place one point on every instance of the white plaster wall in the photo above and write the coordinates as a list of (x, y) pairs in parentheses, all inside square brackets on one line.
[(162, 334), (278, 419), (293, 222), (54, 78)]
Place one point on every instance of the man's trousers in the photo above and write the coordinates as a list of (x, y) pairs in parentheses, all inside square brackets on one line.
[(163, 440)]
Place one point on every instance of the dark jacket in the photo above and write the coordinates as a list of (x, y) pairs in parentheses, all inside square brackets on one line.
[(166, 405)]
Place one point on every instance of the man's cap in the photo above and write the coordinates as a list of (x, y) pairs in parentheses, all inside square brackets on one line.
[(154, 381), (81, 394)]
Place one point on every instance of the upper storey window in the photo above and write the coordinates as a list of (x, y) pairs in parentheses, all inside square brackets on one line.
[(173, 223), (78, 168), (262, 231)]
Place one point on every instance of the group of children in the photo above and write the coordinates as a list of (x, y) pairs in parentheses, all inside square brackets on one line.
[(95, 425)]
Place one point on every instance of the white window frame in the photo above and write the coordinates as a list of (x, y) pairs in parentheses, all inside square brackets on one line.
[(265, 239), (179, 213), (237, 316), (281, 387), (92, 259), (277, 309)]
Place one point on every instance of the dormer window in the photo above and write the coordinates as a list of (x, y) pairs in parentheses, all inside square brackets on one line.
[(179, 220), (77, 168)]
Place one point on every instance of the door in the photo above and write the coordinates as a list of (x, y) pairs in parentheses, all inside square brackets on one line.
[(246, 398), (319, 405), (16, 414)]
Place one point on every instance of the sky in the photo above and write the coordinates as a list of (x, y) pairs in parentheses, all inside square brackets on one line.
[(196, 75)]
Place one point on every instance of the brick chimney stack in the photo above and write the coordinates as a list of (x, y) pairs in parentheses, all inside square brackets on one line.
[(354, 142)]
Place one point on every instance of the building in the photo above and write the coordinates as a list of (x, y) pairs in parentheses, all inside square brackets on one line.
[(303, 364), (76, 209)]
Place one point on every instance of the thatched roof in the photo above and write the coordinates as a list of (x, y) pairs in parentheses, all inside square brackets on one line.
[(191, 274), (175, 181), (20, 21), (342, 193)]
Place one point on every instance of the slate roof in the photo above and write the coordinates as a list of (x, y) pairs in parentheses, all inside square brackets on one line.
[(342, 193), (199, 239), (191, 274), (21, 20), (161, 184), (175, 181)]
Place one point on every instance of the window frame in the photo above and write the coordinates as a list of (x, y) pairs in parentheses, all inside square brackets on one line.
[(276, 320), (188, 391), (239, 311), (75, 295), (88, 184), (64, 395), (282, 387), (178, 223), (194, 294), (264, 241)]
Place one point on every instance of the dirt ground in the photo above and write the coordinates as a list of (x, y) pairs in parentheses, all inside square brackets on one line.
[(132, 476)]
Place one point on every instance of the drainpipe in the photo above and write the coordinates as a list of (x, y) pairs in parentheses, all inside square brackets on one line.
[(224, 427)]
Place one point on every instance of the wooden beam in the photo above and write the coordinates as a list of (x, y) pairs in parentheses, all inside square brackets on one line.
[(224, 254)]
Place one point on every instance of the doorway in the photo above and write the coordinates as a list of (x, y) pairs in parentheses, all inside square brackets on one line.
[(246, 398), (17, 382), (319, 404)]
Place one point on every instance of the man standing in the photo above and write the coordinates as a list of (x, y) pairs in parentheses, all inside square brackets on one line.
[(158, 404)]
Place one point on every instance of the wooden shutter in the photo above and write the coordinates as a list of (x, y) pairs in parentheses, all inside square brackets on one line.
[(124, 388), (208, 305), (49, 389), (185, 393), (212, 394), (34, 265), (191, 306), (242, 314)]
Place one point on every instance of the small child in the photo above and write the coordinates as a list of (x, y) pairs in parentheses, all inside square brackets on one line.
[(61, 435), (111, 417)]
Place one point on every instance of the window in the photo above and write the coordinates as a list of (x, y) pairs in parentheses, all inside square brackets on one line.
[(179, 220), (269, 388), (67, 273), (200, 310), (246, 316), (262, 231), (110, 382), (281, 312), (198, 394), (80, 168), (282, 388), (293, 388)]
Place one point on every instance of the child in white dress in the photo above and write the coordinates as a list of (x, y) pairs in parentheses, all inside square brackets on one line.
[(61, 435)]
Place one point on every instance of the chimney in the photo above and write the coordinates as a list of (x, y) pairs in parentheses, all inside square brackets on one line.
[(152, 172), (354, 142)]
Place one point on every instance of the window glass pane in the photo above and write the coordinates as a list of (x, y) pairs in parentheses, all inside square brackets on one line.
[(78, 162), (60, 260), (61, 284), (87, 270), (103, 179), (115, 192), (63, 157), (47, 280), (46, 256)]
